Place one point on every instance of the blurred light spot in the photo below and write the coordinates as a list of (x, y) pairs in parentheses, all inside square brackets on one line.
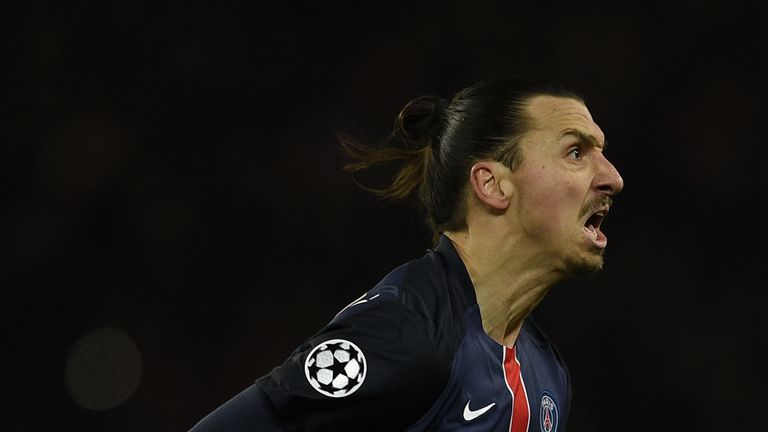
[(103, 369)]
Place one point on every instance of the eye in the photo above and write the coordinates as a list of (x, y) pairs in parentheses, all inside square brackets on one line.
[(575, 153)]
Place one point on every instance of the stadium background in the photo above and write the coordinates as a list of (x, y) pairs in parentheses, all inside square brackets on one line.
[(175, 219)]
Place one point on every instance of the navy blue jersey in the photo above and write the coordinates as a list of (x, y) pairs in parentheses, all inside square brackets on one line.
[(409, 355)]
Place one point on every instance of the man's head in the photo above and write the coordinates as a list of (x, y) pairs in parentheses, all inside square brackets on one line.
[(554, 200), (539, 140), (485, 121)]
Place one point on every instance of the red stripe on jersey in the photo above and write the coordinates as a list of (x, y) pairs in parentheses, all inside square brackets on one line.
[(514, 378)]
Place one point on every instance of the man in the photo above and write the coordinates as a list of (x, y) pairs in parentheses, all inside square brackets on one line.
[(513, 181)]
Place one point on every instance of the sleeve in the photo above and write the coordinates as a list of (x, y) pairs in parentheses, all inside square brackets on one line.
[(248, 411), (376, 366)]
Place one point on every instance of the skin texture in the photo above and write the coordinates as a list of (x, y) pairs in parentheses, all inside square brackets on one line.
[(526, 228)]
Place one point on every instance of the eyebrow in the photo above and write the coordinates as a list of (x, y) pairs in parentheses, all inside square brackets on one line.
[(584, 137)]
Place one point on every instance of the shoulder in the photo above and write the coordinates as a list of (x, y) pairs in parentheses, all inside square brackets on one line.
[(537, 336), (384, 352), (409, 310), (418, 287)]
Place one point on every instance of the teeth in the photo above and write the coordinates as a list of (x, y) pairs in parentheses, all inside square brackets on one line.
[(591, 231)]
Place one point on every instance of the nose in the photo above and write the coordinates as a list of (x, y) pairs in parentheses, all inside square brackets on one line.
[(608, 180)]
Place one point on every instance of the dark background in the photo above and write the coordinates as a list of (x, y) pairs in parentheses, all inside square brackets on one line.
[(175, 219)]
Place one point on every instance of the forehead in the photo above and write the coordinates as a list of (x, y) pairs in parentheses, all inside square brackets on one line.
[(559, 114)]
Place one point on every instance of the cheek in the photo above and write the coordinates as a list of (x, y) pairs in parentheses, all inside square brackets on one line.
[(552, 204), (550, 210), (541, 203)]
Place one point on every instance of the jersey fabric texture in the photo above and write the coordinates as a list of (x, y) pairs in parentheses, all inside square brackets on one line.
[(409, 355)]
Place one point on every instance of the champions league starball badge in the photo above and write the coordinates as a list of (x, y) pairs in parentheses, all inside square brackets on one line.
[(336, 368), (548, 414)]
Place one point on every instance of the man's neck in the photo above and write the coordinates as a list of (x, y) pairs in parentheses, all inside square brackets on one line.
[(509, 282)]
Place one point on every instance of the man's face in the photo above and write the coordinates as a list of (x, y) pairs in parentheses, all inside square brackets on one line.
[(564, 185)]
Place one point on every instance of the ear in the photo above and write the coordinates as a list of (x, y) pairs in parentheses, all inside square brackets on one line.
[(486, 178)]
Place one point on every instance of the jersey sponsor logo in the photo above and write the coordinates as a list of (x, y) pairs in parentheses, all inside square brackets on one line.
[(336, 368), (548, 414), (470, 414)]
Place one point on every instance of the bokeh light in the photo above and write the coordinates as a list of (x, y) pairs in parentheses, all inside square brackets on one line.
[(103, 369)]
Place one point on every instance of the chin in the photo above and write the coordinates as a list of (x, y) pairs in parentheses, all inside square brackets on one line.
[(586, 265)]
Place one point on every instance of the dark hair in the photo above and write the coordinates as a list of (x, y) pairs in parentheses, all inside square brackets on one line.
[(436, 142)]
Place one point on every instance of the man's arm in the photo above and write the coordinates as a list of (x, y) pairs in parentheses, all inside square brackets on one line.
[(249, 411), (386, 348)]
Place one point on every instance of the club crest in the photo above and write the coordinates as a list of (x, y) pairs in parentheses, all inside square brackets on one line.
[(548, 414)]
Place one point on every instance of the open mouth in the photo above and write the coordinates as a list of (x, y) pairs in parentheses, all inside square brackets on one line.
[(592, 228)]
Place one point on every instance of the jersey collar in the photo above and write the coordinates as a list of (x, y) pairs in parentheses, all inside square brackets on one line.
[(457, 275)]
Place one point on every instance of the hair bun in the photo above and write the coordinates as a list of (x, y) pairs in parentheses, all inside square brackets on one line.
[(420, 120)]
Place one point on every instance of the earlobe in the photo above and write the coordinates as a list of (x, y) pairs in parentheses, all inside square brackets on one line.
[(488, 185)]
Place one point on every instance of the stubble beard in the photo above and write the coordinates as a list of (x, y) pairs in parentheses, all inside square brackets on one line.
[(586, 266)]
